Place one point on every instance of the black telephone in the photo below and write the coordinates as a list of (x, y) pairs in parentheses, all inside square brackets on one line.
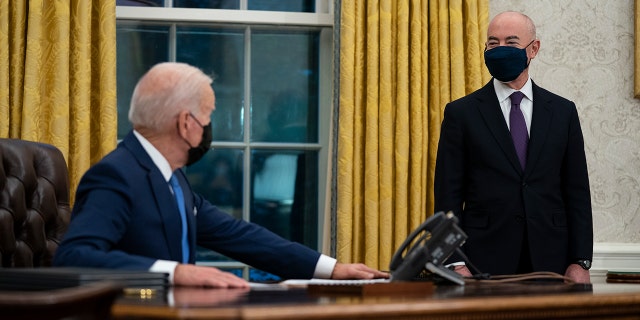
[(431, 244)]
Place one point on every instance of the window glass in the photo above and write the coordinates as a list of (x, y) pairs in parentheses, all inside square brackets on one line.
[(218, 52), (265, 5), (140, 3), (210, 4), (255, 275), (283, 5), (284, 86), (139, 47), (218, 177), (206, 255), (284, 193)]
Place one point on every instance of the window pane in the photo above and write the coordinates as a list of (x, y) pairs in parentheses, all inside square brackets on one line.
[(284, 193), (219, 52), (267, 5), (284, 86), (255, 275), (206, 255), (283, 5), (140, 3), (139, 47), (211, 4), (218, 178)]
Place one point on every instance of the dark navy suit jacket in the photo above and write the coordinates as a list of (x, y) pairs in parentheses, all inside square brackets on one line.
[(125, 217), (479, 177)]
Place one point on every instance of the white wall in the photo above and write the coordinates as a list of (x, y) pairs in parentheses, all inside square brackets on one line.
[(586, 55)]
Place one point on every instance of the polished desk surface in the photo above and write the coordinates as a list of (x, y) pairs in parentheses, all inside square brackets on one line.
[(529, 300)]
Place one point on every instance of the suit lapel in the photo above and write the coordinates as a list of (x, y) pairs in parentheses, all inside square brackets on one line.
[(540, 122), (169, 213), (489, 108), (164, 200)]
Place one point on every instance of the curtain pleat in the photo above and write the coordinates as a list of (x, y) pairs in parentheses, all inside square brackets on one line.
[(59, 76), (400, 63), (12, 57)]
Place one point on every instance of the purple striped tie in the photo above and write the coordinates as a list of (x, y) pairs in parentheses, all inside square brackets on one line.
[(518, 128)]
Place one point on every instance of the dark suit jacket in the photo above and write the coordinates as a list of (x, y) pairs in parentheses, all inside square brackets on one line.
[(125, 217), (479, 177)]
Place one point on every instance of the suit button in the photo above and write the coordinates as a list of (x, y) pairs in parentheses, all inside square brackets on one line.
[(524, 184)]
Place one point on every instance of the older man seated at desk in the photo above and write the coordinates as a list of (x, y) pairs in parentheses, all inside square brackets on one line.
[(136, 210)]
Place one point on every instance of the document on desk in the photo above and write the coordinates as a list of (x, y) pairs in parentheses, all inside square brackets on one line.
[(304, 283), (331, 282)]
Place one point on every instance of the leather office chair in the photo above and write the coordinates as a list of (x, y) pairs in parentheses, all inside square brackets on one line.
[(34, 202)]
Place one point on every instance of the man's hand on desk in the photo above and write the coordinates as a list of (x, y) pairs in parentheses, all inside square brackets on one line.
[(200, 276), (344, 271), (462, 270), (578, 274)]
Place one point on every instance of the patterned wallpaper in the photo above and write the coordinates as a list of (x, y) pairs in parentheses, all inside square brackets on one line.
[(586, 55)]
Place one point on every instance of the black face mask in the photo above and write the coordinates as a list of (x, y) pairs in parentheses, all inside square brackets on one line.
[(506, 63), (196, 153)]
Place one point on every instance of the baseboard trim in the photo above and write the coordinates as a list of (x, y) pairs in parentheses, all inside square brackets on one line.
[(614, 256)]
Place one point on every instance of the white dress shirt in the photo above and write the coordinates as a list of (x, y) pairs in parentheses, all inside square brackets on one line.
[(526, 105)]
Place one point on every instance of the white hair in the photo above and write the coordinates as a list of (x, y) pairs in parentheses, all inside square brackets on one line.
[(163, 92)]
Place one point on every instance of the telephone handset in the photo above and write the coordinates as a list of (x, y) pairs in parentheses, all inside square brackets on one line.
[(428, 246)]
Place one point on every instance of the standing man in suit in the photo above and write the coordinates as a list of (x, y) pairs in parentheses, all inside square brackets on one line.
[(522, 198), (126, 216)]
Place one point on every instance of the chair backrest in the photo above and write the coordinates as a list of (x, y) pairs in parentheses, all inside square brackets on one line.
[(34, 202)]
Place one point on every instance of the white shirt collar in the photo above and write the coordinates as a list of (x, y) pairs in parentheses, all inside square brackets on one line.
[(503, 91), (158, 159)]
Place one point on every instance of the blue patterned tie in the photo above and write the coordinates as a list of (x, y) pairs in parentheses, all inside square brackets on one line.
[(177, 192), (518, 128)]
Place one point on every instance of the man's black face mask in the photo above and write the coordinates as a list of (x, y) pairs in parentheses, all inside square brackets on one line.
[(506, 63), (196, 153)]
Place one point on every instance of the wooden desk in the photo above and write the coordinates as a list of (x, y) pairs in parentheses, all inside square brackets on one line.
[(477, 301)]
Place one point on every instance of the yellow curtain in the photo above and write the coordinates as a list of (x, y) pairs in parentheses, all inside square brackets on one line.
[(401, 61), (58, 77)]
